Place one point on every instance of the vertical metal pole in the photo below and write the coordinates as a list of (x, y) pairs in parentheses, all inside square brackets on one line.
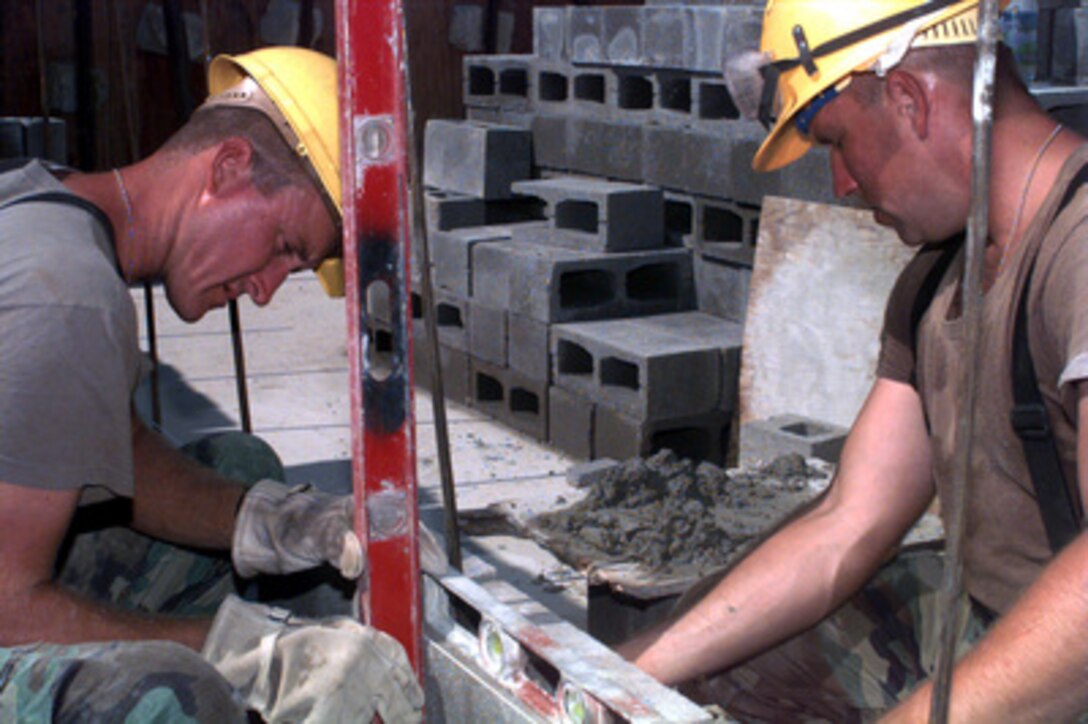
[(977, 231), (374, 174)]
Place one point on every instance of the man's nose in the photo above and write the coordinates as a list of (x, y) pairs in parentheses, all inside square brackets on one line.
[(265, 282), (842, 182)]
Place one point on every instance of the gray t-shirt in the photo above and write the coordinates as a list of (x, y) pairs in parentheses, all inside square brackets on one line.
[(69, 355)]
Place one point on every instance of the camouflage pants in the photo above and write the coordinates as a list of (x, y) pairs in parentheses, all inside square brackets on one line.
[(146, 680), (856, 664)]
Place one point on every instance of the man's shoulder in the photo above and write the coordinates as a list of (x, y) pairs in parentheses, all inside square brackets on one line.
[(55, 254)]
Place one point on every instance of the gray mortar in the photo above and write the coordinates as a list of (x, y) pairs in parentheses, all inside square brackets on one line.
[(675, 517)]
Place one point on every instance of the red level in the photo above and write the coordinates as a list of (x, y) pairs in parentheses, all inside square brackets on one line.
[(374, 171)]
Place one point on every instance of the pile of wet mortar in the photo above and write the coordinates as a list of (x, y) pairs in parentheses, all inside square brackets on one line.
[(676, 517)]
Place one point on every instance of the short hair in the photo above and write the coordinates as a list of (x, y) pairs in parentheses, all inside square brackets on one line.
[(274, 164), (953, 63)]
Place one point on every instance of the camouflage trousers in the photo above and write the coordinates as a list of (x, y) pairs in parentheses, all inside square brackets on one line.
[(857, 663), (141, 681)]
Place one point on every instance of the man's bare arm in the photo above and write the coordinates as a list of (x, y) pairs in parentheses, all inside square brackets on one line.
[(178, 499), (809, 567), (1033, 664), (33, 524)]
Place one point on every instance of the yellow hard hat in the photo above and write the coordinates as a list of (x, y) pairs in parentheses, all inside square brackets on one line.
[(811, 46), (302, 87)]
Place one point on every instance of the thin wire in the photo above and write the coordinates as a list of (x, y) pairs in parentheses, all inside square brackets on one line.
[(1013, 239)]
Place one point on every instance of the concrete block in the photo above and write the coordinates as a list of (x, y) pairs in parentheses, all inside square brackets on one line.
[(452, 319), (586, 26), (550, 25), (697, 437), (679, 219), (725, 230), (552, 87), (807, 179), (451, 255), (698, 38), (570, 423), (674, 94), (663, 151), (635, 96), (487, 388), (520, 403), (550, 148), (612, 149), (712, 104), (497, 81), (620, 35), (666, 37), (444, 211), (598, 215), (477, 159), (591, 90), (487, 334), (12, 140), (35, 139), (649, 368), (721, 288), (763, 440), (556, 284), (528, 352), (527, 406)]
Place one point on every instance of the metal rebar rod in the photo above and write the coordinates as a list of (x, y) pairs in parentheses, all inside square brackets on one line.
[(977, 232), (438, 391)]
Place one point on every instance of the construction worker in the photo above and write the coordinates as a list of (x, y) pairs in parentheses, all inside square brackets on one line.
[(245, 193), (815, 622)]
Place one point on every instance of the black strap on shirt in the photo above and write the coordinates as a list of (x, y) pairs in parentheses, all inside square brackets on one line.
[(1028, 416), (58, 197), (1032, 423)]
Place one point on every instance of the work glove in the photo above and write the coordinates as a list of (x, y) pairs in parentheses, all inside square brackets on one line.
[(290, 669), (282, 529)]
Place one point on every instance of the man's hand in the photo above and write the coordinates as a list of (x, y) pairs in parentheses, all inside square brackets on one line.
[(282, 530), (291, 669)]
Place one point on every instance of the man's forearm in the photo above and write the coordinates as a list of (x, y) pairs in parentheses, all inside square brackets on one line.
[(1033, 664), (789, 583), (53, 614), (177, 499)]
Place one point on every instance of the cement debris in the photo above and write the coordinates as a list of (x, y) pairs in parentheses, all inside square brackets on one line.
[(675, 517)]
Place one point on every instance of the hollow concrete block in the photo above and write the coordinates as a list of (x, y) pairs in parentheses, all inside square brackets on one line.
[(649, 368), (570, 423), (600, 215), (556, 284), (474, 158), (763, 440)]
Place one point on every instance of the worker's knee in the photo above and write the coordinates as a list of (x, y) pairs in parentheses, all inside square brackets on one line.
[(237, 455), (146, 681)]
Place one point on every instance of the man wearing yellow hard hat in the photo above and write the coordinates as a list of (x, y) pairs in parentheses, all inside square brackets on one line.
[(816, 623), (245, 193)]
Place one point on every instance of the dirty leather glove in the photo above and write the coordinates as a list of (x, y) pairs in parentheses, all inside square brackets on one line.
[(292, 669), (282, 530)]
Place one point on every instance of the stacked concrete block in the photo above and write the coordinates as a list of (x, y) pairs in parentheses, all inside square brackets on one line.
[(598, 215), (651, 378), (554, 284), (578, 316), (761, 441), (476, 159)]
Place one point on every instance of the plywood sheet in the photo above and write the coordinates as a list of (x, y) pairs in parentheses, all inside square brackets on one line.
[(821, 277)]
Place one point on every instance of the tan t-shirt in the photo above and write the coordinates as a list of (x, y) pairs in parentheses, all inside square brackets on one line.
[(1006, 543)]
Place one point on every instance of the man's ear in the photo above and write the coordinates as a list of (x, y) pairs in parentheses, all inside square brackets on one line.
[(231, 166), (909, 99)]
